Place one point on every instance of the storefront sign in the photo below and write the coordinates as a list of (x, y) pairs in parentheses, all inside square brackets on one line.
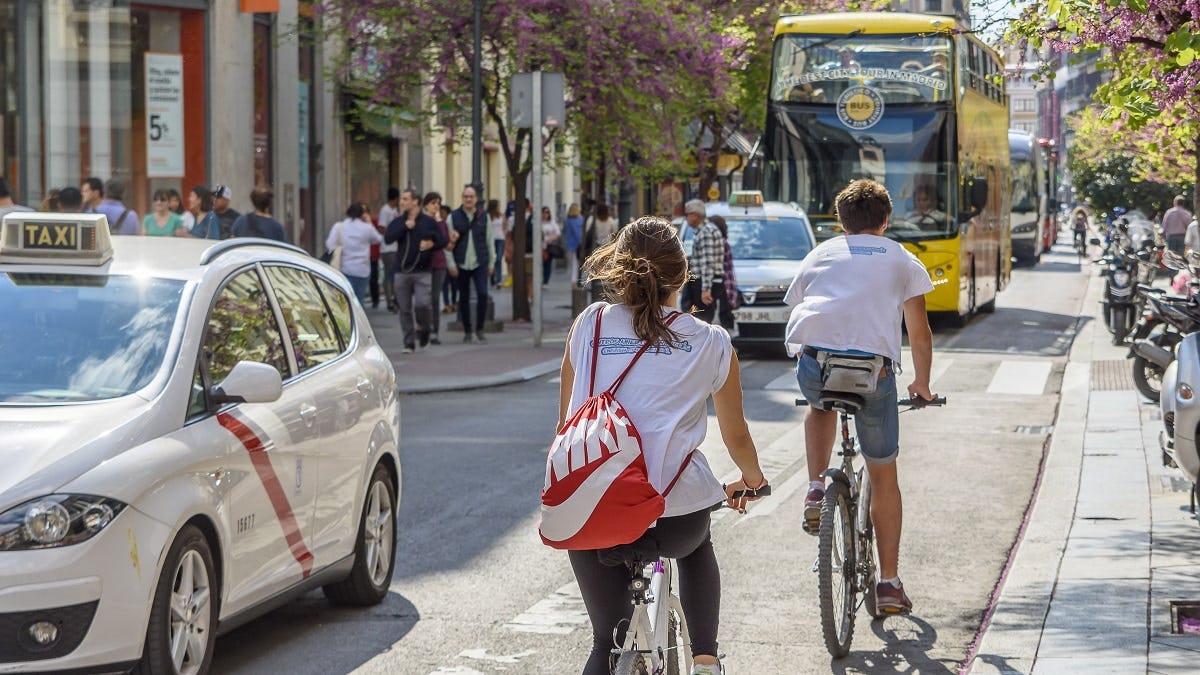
[(164, 115)]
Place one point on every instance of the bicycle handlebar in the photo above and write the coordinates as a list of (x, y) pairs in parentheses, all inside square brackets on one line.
[(920, 402), (763, 491)]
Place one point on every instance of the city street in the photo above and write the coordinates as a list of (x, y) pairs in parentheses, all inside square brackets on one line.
[(475, 591)]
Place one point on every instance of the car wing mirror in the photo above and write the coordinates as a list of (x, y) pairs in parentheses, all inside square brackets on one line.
[(249, 382)]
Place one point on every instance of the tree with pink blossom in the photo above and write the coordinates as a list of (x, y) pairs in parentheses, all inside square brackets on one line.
[(1152, 50)]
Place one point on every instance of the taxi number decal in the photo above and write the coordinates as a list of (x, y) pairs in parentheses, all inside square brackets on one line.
[(275, 492), (53, 236), (245, 523)]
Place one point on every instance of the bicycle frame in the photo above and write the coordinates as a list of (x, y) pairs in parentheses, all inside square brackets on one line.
[(649, 627), (858, 480)]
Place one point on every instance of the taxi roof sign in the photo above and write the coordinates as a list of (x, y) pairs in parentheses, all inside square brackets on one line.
[(55, 238), (746, 198)]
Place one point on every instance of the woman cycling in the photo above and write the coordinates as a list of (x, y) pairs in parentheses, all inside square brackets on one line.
[(666, 396)]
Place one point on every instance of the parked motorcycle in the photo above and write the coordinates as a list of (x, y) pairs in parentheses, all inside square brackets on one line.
[(1127, 262), (1152, 344), (1180, 403)]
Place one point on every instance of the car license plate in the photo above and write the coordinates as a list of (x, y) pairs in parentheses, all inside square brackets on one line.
[(57, 237), (771, 315)]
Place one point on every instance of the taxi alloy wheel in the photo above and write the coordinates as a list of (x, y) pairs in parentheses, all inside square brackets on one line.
[(379, 533), (179, 639), (375, 548)]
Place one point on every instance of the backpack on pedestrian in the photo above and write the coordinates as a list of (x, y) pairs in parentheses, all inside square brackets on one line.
[(597, 493)]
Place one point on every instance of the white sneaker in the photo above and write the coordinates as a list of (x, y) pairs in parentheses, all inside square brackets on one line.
[(708, 669)]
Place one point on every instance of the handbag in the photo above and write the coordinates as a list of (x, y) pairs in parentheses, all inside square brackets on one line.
[(556, 250), (334, 257)]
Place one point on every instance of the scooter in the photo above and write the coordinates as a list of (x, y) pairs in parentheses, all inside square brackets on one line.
[(1180, 405), (1152, 345)]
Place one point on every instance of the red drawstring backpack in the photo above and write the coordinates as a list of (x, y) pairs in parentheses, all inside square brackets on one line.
[(597, 493)]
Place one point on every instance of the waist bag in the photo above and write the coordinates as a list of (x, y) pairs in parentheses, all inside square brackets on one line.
[(597, 493), (856, 374)]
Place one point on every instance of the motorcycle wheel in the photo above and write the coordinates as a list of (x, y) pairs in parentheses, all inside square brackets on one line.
[(1147, 377)]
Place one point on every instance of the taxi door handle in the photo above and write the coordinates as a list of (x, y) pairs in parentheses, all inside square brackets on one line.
[(364, 386), (308, 413)]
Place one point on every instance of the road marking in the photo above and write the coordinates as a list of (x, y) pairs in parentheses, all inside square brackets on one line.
[(458, 670), (558, 614), (1020, 377), (483, 655), (779, 495), (257, 450), (785, 382), (938, 369)]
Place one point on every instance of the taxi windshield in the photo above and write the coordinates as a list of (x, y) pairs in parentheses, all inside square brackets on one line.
[(768, 238), (71, 338)]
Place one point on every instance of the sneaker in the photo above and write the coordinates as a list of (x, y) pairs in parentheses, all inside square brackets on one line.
[(479, 339), (433, 339), (708, 669), (407, 350), (812, 510), (423, 338), (467, 339), (891, 599)]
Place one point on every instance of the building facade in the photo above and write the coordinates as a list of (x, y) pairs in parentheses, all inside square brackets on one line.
[(1022, 90)]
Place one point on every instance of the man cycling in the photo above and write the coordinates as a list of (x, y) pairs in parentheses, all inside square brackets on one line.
[(1079, 225), (848, 297)]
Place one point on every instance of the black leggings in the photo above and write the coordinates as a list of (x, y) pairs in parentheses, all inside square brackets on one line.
[(606, 594)]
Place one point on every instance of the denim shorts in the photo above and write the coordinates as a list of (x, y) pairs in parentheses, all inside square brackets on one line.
[(877, 424)]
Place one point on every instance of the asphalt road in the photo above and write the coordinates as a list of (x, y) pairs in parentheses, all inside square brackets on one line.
[(475, 591)]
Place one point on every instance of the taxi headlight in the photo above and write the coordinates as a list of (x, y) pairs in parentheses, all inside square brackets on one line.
[(56, 520)]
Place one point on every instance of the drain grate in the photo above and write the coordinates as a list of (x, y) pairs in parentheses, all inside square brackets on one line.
[(1185, 617), (1033, 430), (1112, 375)]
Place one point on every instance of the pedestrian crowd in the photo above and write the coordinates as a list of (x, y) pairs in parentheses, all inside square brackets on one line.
[(203, 213)]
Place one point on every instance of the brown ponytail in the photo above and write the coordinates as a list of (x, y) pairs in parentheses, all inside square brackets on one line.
[(640, 269)]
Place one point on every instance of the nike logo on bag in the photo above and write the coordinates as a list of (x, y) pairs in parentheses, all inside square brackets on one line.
[(568, 457)]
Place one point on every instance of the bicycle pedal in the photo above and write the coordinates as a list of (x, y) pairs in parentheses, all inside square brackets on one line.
[(816, 565), (812, 527)]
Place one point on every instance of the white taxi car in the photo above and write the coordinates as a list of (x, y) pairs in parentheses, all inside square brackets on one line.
[(768, 241), (193, 433)]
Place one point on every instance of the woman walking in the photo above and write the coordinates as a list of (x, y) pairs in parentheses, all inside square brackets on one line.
[(162, 221), (355, 234), (550, 235), (498, 228), (573, 241), (666, 395), (200, 200)]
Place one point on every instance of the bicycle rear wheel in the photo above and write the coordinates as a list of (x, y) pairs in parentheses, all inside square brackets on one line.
[(631, 663), (835, 569)]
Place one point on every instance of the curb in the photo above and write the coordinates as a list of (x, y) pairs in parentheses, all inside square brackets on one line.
[(467, 383)]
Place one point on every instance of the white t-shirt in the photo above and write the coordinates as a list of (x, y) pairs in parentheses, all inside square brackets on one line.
[(355, 236), (499, 228), (849, 295), (666, 395), (386, 215)]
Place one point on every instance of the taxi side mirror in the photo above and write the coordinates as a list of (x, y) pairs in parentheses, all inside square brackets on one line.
[(249, 382)]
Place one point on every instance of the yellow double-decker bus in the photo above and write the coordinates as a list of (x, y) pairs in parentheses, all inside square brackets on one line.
[(916, 103)]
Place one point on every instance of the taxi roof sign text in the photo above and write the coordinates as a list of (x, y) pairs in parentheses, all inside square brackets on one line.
[(55, 239), (746, 198)]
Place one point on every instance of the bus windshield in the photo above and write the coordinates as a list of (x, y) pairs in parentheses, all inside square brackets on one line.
[(900, 68), (815, 155)]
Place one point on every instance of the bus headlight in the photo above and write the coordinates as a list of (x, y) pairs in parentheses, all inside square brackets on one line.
[(56, 520), (939, 272)]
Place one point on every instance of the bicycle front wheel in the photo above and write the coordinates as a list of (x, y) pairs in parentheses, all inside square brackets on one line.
[(835, 568)]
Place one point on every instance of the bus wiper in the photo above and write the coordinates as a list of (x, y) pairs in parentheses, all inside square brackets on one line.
[(837, 38), (908, 239)]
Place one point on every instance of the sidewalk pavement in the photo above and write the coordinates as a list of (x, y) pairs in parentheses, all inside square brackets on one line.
[(509, 355), (1108, 542)]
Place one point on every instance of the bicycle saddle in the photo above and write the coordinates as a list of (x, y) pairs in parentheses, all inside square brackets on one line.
[(841, 400)]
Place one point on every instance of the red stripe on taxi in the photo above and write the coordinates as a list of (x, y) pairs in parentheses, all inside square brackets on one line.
[(270, 481)]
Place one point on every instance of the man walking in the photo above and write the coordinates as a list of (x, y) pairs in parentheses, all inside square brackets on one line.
[(225, 215), (93, 193), (706, 260), (475, 258), (7, 205), (416, 237), (260, 223), (1175, 223), (121, 218), (387, 252)]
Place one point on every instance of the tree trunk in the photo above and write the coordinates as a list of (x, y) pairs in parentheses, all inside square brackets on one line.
[(711, 156)]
